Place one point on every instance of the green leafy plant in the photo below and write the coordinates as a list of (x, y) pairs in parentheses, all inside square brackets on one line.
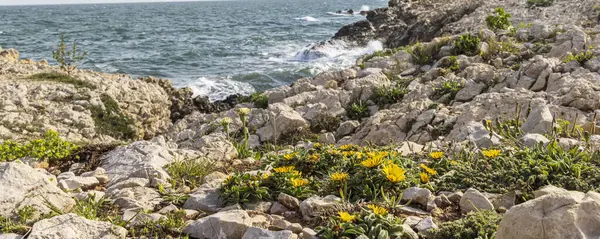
[(325, 122), (467, 44), (358, 110), (475, 225), (540, 3), (110, 119), (243, 188), (389, 95), (242, 147), (189, 172), (450, 63), (68, 60), (259, 99), (581, 57), (422, 54), (451, 87), (499, 21), (22, 223), (170, 226), (366, 223), (62, 78), (50, 148)]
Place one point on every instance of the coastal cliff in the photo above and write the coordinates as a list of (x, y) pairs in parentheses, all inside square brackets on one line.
[(478, 120)]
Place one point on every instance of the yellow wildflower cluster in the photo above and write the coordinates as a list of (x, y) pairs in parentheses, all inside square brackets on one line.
[(372, 162), (393, 172), (337, 176), (491, 153), (428, 169), (424, 177), (284, 169), (266, 176), (346, 217), (377, 209), (314, 158), (436, 155), (299, 182), (317, 145), (290, 156), (347, 147), (335, 152)]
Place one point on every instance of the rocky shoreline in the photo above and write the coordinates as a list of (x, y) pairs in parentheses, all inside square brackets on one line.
[(472, 124)]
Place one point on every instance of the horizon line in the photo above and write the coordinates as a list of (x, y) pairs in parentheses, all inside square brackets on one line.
[(109, 3)]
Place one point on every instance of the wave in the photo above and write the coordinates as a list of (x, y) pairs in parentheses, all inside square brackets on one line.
[(218, 88), (333, 49), (364, 8), (308, 19)]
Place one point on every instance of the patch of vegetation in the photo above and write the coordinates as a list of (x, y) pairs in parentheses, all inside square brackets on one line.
[(450, 63), (539, 3), (68, 60), (467, 44), (475, 225), (422, 54), (580, 57), (189, 172), (358, 110), (451, 87), (21, 224), (389, 95), (169, 227), (244, 188), (62, 78), (383, 53), (564, 128), (259, 99), (499, 21), (371, 221), (50, 148), (597, 9), (110, 120), (325, 122)]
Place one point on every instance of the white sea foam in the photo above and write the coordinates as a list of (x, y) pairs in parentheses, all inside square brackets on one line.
[(308, 19), (364, 8), (218, 88)]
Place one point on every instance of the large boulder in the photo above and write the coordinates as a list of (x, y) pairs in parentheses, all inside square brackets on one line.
[(555, 215), (473, 200), (229, 224), (71, 226), (25, 186)]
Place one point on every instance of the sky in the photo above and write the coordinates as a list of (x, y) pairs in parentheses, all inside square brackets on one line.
[(40, 2)]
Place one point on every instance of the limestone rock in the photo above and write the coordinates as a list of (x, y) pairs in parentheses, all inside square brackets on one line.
[(289, 201), (259, 233), (553, 216), (346, 128), (26, 186), (229, 224), (71, 226), (311, 206), (539, 121), (417, 195), (206, 197), (531, 140), (473, 200)]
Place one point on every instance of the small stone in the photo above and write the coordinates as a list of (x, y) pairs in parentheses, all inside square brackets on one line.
[(473, 200), (295, 228), (259, 206), (443, 201), (417, 195), (279, 209), (231, 207), (280, 224), (191, 214), (308, 233), (425, 225), (288, 201), (455, 197), (168, 209), (530, 140), (412, 221), (412, 211), (259, 233)]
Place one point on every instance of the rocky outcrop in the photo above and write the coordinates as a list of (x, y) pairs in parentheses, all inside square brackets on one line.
[(30, 187), (228, 224), (557, 214), (71, 226)]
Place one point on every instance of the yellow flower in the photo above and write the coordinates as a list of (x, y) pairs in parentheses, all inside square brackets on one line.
[(299, 182), (428, 169), (359, 155), (243, 111), (346, 147), (289, 156), (314, 158), (377, 209), (339, 176), (284, 169), (335, 152), (297, 173), (453, 162), (265, 176), (346, 217), (436, 155), (424, 177), (372, 162), (317, 145), (226, 120), (491, 153), (393, 172)]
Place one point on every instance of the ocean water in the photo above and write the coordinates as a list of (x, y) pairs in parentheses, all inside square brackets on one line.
[(217, 48)]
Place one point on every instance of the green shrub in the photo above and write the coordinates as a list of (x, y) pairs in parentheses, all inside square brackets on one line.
[(50, 148), (358, 110), (499, 21), (422, 55), (325, 122), (367, 224), (243, 188), (450, 63), (110, 120), (62, 78), (580, 57), (68, 60), (451, 87), (467, 44), (389, 95), (189, 172), (170, 226), (475, 225), (260, 100), (540, 3)]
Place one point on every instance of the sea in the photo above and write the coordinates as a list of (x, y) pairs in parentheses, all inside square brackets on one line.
[(217, 48)]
